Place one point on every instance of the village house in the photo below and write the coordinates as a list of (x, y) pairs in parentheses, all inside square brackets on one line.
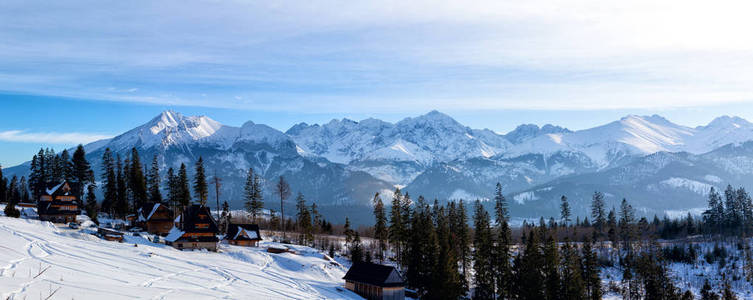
[(58, 204), (155, 218), (195, 229), (243, 234), (375, 282)]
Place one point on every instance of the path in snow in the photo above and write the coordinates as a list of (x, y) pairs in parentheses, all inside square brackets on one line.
[(81, 266)]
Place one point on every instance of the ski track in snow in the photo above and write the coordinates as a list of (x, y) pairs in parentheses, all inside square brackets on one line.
[(85, 268)]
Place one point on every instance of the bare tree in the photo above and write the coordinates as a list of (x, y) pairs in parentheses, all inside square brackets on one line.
[(283, 190)]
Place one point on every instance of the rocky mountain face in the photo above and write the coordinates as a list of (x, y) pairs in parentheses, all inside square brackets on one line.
[(341, 164)]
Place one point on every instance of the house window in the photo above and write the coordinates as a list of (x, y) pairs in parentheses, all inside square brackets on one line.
[(202, 226)]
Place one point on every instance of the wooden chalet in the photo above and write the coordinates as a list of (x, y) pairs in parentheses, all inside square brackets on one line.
[(374, 281), (243, 234), (155, 218), (58, 204), (195, 229)]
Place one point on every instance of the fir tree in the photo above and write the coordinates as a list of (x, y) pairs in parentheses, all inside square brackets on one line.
[(627, 218), (551, 269), (529, 278), (172, 190), (155, 196), (463, 240), (573, 286), (3, 187), (66, 166), (200, 187), (422, 250), (714, 216), (347, 231), (447, 282), (482, 254), (380, 227), (612, 227)]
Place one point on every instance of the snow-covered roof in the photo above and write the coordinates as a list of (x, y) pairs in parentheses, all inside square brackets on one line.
[(174, 234), (248, 233), (55, 188), (143, 218)]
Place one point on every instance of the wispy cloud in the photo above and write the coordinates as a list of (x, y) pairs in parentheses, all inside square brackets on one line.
[(382, 55), (50, 137)]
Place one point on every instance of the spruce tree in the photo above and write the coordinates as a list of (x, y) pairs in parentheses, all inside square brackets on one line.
[(155, 181), (200, 187), (590, 272), (501, 251), (13, 198), (23, 190), (598, 215), (422, 250), (184, 191), (136, 180), (482, 254), (447, 282), (380, 227), (172, 190), (356, 250), (91, 202), (66, 166), (627, 218), (564, 210), (121, 202), (82, 173), (3, 187), (396, 229), (463, 240), (109, 182), (252, 204), (572, 285), (714, 215), (347, 231), (303, 218), (529, 276), (551, 269)]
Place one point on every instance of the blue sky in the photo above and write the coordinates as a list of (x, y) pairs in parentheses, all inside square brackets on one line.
[(75, 71)]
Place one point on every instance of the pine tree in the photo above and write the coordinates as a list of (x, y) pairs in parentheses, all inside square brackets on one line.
[(91, 202), (380, 227), (597, 211), (155, 195), (282, 189), (200, 187), (482, 254), (612, 227), (184, 191), (347, 231), (36, 178), (136, 180), (732, 214), (463, 240), (714, 215)]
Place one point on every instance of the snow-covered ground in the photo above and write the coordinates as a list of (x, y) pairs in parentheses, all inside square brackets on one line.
[(38, 259)]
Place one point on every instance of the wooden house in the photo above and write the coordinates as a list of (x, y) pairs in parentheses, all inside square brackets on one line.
[(58, 204), (243, 234), (374, 281), (155, 218), (195, 229)]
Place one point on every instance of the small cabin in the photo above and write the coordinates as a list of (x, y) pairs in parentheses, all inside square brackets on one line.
[(195, 229), (375, 281), (243, 235), (58, 204), (155, 218)]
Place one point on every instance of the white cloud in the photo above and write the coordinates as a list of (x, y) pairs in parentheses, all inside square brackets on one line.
[(50, 137), (357, 55)]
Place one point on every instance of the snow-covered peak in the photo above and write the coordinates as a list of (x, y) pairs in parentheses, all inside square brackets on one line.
[(526, 132)]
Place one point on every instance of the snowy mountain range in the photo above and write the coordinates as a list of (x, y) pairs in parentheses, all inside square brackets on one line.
[(341, 164)]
